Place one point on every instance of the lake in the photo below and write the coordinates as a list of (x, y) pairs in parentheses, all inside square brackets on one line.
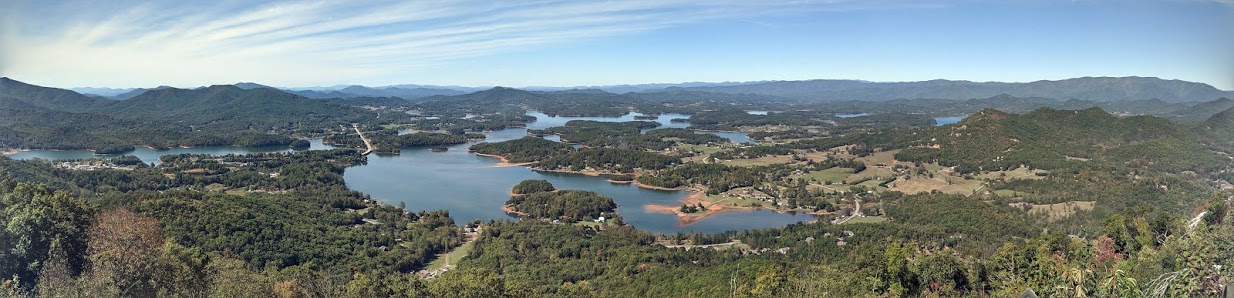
[(545, 121), (471, 187), (940, 121)]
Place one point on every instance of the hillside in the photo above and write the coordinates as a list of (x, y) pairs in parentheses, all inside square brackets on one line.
[(1219, 130), (1201, 111), (1086, 88), (44, 97), (230, 107), (1052, 139)]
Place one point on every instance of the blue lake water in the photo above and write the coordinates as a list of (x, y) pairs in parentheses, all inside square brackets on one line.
[(545, 121), (756, 112), (852, 115), (940, 121)]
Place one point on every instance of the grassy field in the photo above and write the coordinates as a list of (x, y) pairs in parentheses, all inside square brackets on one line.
[(702, 148), (919, 184), (885, 157), (872, 183), (867, 219), (734, 200), (835, 175), (761, 161), (871, 172), (1007, 193), (216, 187), (452, 257), (1053, 212)]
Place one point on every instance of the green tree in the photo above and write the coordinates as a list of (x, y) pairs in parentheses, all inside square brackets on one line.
[(37, 222)]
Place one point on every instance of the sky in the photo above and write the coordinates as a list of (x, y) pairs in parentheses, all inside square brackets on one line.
[(122, 43)]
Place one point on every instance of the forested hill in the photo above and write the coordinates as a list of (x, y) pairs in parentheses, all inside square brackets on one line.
[(235, 107), (48, 118), (1219, 130), (1051, 139), (44, 97), (1086, 88)]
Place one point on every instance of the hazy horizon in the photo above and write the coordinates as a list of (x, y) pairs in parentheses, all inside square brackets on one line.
[(406, 85)]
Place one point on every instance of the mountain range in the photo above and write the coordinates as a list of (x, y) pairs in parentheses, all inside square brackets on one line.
[(1086, 88), (1100, 89)]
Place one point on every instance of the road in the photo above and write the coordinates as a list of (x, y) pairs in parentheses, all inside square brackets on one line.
[(856, 213), (367, 143)]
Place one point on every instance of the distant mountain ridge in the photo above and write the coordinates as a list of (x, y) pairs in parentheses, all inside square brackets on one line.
[(229, 103), (1100, 89), (1086, 88)]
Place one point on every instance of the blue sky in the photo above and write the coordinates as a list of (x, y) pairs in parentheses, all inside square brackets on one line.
[(578, 43)]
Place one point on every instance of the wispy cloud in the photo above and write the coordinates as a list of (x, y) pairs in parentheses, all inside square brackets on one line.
[(309, 42)]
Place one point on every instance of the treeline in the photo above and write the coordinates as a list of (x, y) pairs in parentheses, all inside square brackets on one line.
[(526, 149), (752, 152), (532, 186), (864, 142), (607, 134), (565, 205), (390, 141), (717, 178), (788, 134), (607, 160), (686, 136)]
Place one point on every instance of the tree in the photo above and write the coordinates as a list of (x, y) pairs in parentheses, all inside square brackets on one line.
[(124, 252), (35, 223), (232, 278)]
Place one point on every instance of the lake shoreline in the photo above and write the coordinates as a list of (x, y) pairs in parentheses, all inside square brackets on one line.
[(504, 162)]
